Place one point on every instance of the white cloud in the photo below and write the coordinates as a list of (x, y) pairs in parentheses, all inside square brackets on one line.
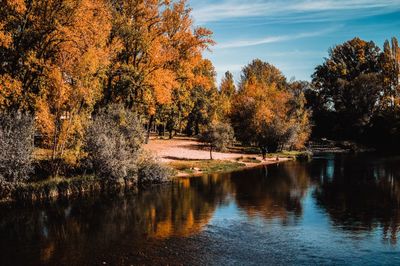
[(228, 67), (271, 39), (291, 10), (297, 53)]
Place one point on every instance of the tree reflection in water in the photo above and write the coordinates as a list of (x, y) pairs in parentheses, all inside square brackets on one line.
[(361, 194), (272, 193), (357, 195)]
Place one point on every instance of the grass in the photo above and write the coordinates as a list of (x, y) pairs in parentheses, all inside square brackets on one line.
[(289, 154), (205, 166), (251, 150), (54, 182), (248, 160)]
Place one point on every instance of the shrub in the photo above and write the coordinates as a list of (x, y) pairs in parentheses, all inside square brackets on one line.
[(152, 171), (16, 147), (113, 143)]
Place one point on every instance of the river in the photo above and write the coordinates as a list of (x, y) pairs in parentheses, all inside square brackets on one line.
[(332, 210)]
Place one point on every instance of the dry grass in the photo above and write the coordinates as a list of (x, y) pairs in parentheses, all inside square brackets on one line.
[(204, 166)]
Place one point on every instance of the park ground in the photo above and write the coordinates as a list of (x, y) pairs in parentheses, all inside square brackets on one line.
[(187, 156)]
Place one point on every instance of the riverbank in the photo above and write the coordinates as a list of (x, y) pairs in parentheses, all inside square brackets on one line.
[(184, 157), (189, 157), (337, 146), (64, 188)]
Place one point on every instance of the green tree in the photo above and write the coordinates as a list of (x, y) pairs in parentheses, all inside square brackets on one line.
[(203, 99), (227, 87), (219, 136), (389, 64), (227, 90), (347, 85)]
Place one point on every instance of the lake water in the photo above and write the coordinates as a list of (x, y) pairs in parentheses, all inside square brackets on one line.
[(332, 210)]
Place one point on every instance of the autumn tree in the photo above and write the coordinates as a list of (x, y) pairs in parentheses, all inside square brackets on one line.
[(354, 89), (227, 86), (390, 68), (259, 115), (187, 43), (138, 76), (53, 55), (156, 48), (203, 99), (300, 115), (227, 90), (264, 73), (384, 129), (266, 112)]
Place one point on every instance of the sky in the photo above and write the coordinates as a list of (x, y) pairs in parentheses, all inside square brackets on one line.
[(293, 35)]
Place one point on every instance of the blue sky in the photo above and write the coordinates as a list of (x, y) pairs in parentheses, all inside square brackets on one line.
[(294, 35)]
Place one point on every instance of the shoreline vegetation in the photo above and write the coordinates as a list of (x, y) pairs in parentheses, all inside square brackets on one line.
[(83, 185), (64, 188), (185, 157)]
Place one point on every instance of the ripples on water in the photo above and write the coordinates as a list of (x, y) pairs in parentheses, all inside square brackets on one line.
[(332, 210)]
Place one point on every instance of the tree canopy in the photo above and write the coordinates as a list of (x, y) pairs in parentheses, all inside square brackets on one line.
[(355, 90), (267, 111)]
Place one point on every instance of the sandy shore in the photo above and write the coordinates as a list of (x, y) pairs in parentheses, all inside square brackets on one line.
[(181, 149)]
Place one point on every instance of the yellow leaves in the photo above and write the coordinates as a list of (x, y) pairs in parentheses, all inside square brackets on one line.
[(163, 81), (204, 35), (204, 75), (149, 48), (264, 115), (57, 91), (273, 105), (10, 91), (265, 108), (44, 120), (5, 38), (66, 66), (17, 5), (93, 23)]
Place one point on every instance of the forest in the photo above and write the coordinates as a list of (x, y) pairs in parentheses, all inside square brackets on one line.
[(84, 83)]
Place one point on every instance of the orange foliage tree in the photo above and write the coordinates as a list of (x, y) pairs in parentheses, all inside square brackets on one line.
[(156, 48), (54, 55), (187, 44), (267, 112)]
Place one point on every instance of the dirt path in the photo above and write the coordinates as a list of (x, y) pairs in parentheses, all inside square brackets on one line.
[(183, 149)]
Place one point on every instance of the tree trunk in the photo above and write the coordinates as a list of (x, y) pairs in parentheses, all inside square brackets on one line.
[(54, 158), (263, 152), (196, 129), (211, 147), (149, 129)]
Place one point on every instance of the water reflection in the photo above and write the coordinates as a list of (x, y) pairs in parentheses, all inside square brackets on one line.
[(276, 193), (363, 194), (356, 194)]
